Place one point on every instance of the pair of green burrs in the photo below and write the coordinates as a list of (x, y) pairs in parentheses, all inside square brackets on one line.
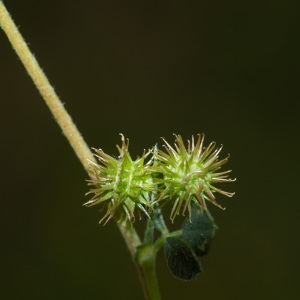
[(182, 253), (184, 175)]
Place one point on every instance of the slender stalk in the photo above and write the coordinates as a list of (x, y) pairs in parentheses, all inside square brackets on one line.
[(42, 83), (146, 268), (145, 257), (149, 279), (131, 237)]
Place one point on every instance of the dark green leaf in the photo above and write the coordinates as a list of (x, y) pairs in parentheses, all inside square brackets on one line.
[(199, 231), (182, 261)]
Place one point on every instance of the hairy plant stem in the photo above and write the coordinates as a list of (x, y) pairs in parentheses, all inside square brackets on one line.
[(146, 268), (42, 83)]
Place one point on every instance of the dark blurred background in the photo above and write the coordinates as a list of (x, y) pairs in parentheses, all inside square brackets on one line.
[(229, 69)]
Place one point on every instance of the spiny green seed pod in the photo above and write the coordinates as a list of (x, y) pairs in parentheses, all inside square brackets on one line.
[(121, 184), (189, 174)]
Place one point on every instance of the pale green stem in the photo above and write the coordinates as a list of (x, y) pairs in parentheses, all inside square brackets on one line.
[(72, 134), (146, 256)]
